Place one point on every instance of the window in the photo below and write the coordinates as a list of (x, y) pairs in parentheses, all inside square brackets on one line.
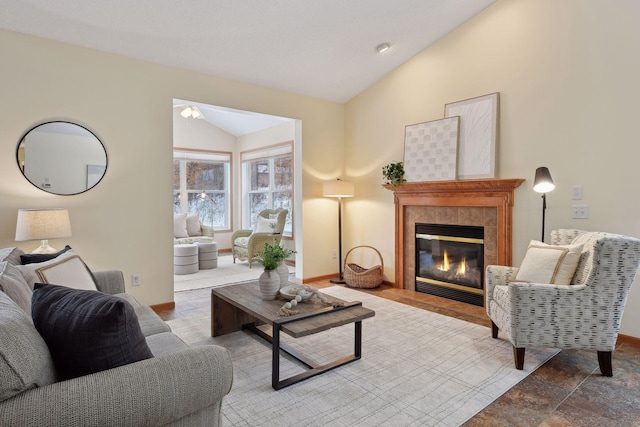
[(268, 183), (201, 183)]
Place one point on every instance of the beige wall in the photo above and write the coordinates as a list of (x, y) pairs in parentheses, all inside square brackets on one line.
[(125, 222), (567, 72)]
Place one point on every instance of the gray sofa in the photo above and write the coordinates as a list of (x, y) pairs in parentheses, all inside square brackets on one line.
[(179, 386)]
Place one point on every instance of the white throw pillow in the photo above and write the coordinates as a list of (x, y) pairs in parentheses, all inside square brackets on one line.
[(180, 225), (264, 225), (549, 264), (193, 225), (76, 274), (70, 272)]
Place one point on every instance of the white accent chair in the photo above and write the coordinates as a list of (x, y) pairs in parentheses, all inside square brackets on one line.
[(583, 315), (247, 244)]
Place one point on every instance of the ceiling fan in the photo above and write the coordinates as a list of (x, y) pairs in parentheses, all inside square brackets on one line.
[(189, 111)]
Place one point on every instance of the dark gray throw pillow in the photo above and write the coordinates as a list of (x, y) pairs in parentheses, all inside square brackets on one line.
[(87, 331), (35, 258)]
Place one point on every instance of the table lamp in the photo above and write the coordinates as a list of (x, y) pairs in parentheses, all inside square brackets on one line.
[(42, 224)]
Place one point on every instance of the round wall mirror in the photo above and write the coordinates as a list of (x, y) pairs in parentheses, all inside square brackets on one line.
[(62, 158)]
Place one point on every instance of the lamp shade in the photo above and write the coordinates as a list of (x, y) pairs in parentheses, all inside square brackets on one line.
[(42, 224), (543, 183), (337, 188)]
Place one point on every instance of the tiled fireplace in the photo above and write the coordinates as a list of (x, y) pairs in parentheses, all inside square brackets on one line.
[(481, 204)]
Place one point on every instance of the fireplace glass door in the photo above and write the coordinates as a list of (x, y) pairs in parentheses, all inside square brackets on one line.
[(450, 261)]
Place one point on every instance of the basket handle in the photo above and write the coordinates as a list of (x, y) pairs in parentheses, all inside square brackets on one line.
[(364, 246)]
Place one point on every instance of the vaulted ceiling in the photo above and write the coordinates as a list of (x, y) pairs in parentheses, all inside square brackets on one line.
[(320, 48)]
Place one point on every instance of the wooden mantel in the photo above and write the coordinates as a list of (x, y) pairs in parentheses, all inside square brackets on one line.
[(467, 199)]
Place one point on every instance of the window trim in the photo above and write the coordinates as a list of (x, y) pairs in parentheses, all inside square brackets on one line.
[(225, 156), (266, 152)]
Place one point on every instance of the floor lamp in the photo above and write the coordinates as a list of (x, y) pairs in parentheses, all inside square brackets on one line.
[(543, 183), (338, 188)]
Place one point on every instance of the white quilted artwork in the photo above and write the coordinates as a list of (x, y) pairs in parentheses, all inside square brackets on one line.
[(431, 150), (478, 135)]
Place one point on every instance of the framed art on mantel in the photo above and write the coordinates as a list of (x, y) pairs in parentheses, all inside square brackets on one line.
[(430, 150), (478, 135)]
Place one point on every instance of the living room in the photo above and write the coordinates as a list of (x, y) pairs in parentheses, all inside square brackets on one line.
[(567, 79)]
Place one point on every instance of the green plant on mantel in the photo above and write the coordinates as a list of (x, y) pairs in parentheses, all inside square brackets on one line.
[(393, 174)]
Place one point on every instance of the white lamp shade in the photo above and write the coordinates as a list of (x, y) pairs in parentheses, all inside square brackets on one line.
[(42, 224), (337, 188)]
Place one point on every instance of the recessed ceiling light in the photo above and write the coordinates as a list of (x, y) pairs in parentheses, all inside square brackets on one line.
[(383, 47)]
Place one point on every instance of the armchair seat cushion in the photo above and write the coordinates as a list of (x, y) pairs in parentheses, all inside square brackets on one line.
[(242, 242)]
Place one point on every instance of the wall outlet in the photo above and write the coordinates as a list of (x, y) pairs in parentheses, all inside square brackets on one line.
[(136, 280), (579, 212), (334, 255)]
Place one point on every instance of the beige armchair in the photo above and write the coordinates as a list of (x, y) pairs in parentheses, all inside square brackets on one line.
[(584, 314), (247, 244)]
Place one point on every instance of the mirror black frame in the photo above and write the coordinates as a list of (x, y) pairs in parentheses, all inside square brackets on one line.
[(90, 133)]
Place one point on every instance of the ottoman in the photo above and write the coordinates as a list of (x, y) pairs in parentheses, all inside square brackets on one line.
[(207, 255), (185, 259)]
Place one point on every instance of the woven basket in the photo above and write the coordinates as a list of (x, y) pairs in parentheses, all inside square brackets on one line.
[(356, 276)]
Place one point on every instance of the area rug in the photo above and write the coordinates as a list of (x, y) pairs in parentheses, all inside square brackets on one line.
[(226, 273), (417, 368)]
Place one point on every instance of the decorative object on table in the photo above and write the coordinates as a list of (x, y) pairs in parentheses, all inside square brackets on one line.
[(280, 254), (42, 224), (356, 276), (300, 293), (269, 280), (431, 150), (479, 118), (543, 183), (393, 174), (340, 189)]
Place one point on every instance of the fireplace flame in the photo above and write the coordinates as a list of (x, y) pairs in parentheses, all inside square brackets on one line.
[(462, 268), (445, 262)]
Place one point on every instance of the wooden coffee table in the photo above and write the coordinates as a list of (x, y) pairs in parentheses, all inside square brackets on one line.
[(238, 307)]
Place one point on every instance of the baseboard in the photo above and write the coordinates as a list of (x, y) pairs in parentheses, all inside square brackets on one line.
[(628, 339), (225, 251), (163, 307), (319, 278)]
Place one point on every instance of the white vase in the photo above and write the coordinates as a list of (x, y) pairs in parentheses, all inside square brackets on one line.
[(269, 283), (283, 272)]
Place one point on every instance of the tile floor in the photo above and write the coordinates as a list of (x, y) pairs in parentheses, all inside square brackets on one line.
[(566, 391)]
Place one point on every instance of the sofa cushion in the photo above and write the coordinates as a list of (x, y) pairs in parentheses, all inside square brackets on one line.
[(13, 284), (25, 361), (553, 264), (31, 258), (150, 322), (11, 255), (192, 240), (180, 225), (67, 269), (165, 343), (87, 331), (193, 225)]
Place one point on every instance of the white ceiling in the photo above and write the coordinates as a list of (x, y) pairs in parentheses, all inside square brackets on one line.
[(234, 122), (320, 48)]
